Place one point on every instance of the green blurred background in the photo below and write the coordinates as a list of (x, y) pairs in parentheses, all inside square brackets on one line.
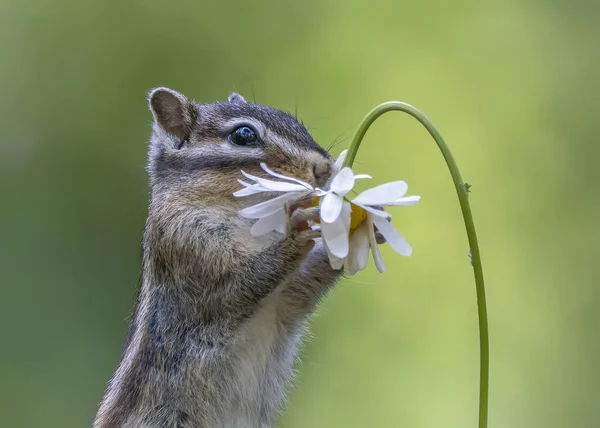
[(512, 85)]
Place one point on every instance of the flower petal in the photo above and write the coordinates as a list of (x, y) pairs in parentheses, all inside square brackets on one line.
[(362, 176), (284, 177), (346, 215), (375, 249), (343, 182), (383, 194), (268, 223), (276, 186), (407, 200), (358, 255), (267, 207), (337, 166), (331, 207), (336, 263), (374, 211), (391, 235), (335, 234), (249, 190)]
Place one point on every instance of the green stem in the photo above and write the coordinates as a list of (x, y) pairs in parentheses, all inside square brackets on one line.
[(462, 189)]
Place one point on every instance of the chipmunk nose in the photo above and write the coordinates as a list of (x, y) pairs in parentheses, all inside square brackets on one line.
[(322, 171)]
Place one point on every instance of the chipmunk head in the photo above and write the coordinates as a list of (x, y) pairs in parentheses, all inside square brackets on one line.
[(202, 148)]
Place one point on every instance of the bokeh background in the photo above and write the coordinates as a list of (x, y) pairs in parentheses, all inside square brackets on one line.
[(512, 85)]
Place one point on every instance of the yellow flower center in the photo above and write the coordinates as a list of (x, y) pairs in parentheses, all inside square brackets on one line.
[(357, 214)]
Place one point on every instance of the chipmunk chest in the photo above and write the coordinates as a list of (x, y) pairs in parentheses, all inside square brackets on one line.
[(264, 356), (260, 338)]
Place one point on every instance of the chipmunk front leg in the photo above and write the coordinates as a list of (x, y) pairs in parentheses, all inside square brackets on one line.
[(313, 279), (307, 285), (258, 275)]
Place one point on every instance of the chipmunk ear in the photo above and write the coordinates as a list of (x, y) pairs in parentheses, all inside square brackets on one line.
[(235, 98), (173, 112)]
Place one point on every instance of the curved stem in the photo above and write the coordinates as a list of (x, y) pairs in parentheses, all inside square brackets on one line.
[(462, 189)]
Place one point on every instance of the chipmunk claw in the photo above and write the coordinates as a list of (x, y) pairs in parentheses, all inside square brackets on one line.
[(297, 224)]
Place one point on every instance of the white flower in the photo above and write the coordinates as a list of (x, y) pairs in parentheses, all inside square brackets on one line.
[(271, 213), (351, 248), (347, 226), (335, 213), (337, 166), (363, 238)]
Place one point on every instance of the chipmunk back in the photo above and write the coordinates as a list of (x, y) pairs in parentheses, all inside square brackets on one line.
[(220, 313)]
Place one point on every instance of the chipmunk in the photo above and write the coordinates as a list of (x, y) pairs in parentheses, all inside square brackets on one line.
[(220, 314)]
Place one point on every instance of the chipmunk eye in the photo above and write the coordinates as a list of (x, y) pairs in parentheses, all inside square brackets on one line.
[(243, 136)]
